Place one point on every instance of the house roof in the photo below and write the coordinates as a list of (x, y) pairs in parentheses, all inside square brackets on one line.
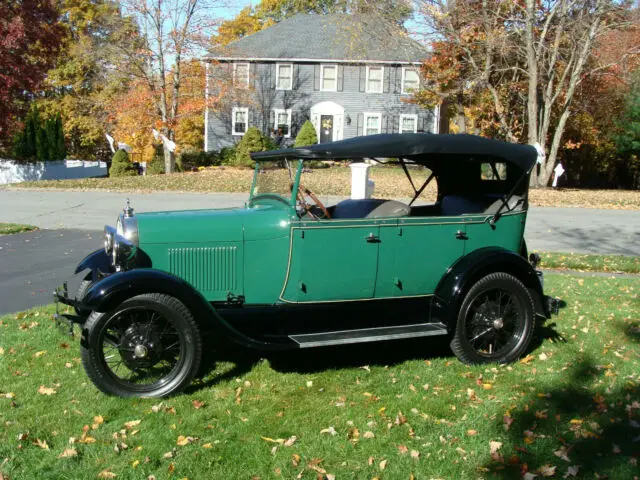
[(335, 37)]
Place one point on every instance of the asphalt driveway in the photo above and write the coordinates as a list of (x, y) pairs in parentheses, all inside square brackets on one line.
[(32, 264)]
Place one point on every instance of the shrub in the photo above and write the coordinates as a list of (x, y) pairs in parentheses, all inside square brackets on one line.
[(121, 166), (306, 135), (227, 155), (199, 159), (252, 141)]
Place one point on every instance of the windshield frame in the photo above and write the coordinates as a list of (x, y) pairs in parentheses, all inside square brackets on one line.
[(291, 201)]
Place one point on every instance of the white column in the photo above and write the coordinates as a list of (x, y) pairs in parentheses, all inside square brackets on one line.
[(359, 180)]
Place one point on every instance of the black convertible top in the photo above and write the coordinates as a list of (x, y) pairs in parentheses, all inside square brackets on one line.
[(421, 148)]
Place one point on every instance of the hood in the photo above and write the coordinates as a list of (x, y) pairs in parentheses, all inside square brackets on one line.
[(212, 225)]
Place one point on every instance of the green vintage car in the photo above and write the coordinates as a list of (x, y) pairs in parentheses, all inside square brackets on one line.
[(288, 272)]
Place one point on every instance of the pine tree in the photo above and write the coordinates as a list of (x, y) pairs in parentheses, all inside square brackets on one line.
[(306, 136), (252, 141), (61, 147), (42, 144), (121, 166), (51, 133), (31, 126)]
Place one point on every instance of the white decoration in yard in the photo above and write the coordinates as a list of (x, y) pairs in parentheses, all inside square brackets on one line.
[(156, 134), (541, 154), (361, 186), (125, 147), (111, 142), (557, 173), (166, 143)]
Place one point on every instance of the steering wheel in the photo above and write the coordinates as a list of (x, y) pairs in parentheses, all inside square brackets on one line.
[(303, 194)]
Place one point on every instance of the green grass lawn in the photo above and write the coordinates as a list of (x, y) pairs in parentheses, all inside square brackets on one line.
[(391, 411), (9, 228), (590, 263)]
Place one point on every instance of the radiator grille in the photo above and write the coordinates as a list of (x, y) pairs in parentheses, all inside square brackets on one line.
[(206, 268)]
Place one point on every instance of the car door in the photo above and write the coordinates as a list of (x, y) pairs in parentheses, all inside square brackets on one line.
[(332, 261), (416, 253)]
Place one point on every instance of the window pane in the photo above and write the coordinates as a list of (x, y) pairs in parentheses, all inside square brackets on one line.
[(329, 78), (372, 125), (241, 117), (282, 118), (375, 79), (284, 77), (408, 124), (241, 73), (411, 80)]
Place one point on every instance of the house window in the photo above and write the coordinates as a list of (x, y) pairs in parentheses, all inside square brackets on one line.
[(284, 76), (410, 80), (375, 76), (241, 75), (283, 121), (408, 123), (329, 78), (372, 123), (239, 121)]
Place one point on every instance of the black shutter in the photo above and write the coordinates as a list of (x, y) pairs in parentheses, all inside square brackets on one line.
[(397, 84), (316, 77), (340, 78), (386, 124), (396, 124), (273, 72), (294, 124), (363, 79), (387, 80), (420, 125), (294, 75), (252, 75), (360, 124), (272, 120), (228, 122)]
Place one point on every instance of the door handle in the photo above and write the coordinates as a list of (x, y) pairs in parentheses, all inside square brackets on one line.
[(371, 238), (460, 235)]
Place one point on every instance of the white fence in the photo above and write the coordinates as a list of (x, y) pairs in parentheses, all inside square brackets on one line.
[(12, 172)]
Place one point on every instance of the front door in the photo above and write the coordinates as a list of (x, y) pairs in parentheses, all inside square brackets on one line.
[(332, 261), (326, 128)]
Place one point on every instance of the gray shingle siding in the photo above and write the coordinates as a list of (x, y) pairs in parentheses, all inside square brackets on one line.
[(306, 93)]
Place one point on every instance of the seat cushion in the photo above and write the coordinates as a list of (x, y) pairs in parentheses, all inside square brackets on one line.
[(370, 208)]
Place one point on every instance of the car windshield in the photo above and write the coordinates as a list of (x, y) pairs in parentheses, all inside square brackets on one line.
[(272, 179)]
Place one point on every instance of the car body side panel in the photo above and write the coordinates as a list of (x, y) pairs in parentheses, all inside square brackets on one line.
[(506, 233), (416, 254), (332, 260)]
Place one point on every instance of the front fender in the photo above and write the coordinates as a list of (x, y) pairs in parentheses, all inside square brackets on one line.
[(471, 268), (98, 260), (108, 293)]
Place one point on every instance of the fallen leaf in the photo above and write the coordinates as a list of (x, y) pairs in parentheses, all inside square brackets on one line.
[(46, 390), (182, 440), (295, 459), (168, 454), (42, 444), (547, 470), (415, 454), (369, 434), (472, 432), (197, 404), (107, 474), (207, 445), (40, 353), (330, 430), (131, 424), (402, 449), (383, 464), (494, 446), (290, 441), (527, 360), (562, 453), (68, 453), (572, 471)]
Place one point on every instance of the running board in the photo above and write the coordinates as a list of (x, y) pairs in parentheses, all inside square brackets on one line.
[(344, 337)]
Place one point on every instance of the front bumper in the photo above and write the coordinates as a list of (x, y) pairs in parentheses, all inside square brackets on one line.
[(66, 321)]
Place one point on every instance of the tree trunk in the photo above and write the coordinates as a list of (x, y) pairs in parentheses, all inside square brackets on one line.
[(169, 160)]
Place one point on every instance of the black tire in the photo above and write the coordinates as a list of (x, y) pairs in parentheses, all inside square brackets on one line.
[(495, 322), (82, 291), (138, 362)]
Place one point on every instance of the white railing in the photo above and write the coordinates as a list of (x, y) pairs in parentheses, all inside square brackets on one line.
[(13, 172)]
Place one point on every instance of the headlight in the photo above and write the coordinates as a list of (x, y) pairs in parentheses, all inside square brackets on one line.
[(123, 253), (109, 235)]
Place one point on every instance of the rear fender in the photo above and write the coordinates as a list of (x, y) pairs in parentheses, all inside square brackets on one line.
[(106, 294), (469, 269)]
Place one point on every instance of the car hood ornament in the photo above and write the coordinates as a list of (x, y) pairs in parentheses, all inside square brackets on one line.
[(128, 209)]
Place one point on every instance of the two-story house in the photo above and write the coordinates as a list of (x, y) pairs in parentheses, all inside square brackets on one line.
[(350, 75)]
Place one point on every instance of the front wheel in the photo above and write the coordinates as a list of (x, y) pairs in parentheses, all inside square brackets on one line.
[(148, 346), (495, 322)]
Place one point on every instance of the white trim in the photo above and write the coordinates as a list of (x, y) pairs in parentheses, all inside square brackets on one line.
[(329, 108), (310, 60), (436, 119), (368, 115), (408, 115), (366, 85), (276, 111), (322, 89), (278, 65), (233, 120), (206, 107), (404, 69), (235, 66)]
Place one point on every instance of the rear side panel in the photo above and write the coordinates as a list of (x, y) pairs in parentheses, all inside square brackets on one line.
[(506, 233)]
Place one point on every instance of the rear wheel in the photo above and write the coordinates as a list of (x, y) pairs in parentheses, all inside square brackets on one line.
[(495, 322), (148, 346)]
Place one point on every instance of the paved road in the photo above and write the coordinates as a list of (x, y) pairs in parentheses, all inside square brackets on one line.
[(32, 264)]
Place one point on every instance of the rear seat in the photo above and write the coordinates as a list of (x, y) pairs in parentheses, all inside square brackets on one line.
[(454, 205)]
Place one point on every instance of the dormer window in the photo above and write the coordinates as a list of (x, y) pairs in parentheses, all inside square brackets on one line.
[(241, 75)]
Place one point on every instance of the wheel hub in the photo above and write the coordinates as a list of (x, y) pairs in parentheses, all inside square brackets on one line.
[(140, 346), (498, 323)]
